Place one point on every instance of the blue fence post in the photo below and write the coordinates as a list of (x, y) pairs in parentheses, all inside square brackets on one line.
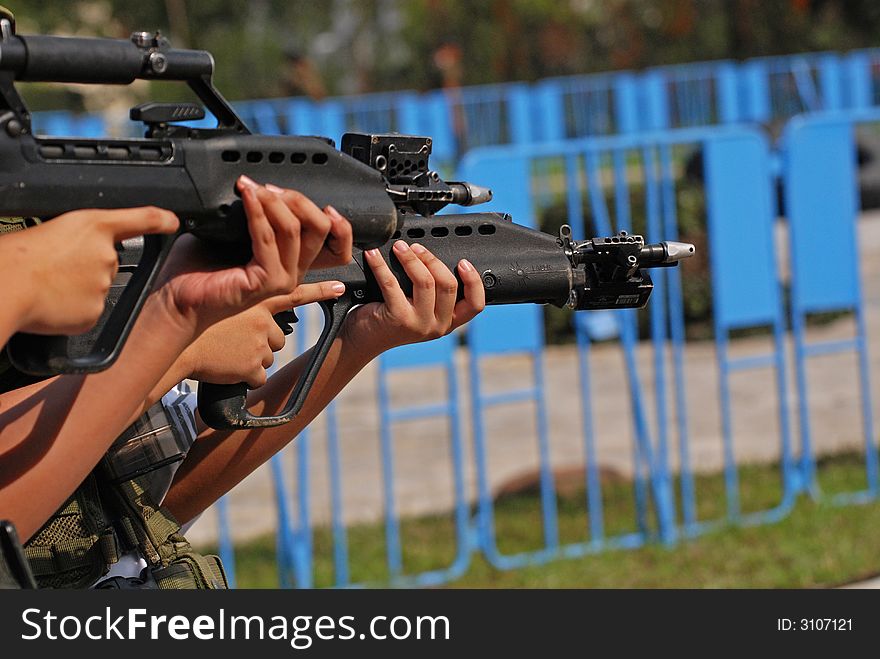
[(439, 353), (509, 330), (518, 98), (728, 93), (227, 549), (822, 199), (745, 296), (755, 91), (626, 102), (265, 117), (831, 82), (331, 116), (655, 100), (300, 118), (284, 536), (410, 117), (859, 93), (438, 118), (677, 336), (548, 111)]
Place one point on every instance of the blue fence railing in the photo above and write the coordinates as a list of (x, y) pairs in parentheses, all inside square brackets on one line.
[(644, 171), (762, 90)]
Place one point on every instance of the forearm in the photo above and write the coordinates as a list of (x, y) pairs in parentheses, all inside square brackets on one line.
[(219, 460), (54, 432)]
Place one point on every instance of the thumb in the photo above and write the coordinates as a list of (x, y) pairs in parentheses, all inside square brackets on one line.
[(306, 294), (126, 223)]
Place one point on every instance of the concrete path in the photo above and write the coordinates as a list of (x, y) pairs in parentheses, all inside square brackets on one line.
[(422, 471)]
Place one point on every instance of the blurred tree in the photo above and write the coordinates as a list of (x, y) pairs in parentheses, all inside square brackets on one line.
[(355, 46)]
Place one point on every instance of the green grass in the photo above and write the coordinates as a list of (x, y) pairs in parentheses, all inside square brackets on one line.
[(816, 545)]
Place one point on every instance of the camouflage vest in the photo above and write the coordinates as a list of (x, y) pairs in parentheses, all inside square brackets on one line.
[(109, 515)]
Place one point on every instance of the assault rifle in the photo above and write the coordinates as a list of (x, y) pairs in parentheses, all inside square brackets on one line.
[(191, 171), (516, 264), (382, 184)]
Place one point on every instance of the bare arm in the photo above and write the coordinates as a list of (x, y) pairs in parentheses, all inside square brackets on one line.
[(221, 459), (53, 433)]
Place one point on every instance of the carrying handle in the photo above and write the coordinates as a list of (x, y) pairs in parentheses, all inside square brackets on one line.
[(42, 355), (224, 406)]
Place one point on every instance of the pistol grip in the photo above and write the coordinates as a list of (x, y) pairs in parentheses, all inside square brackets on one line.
[(50, 355), (224, 406)]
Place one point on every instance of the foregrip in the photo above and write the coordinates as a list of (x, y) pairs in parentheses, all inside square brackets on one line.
[(516, 265)]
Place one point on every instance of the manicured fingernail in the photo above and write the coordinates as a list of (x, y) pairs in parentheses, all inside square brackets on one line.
[(274, 188), (465, 265), (332, 211), (418, 249), (247, 180), (401, 246), (372, 253), (338, 287)]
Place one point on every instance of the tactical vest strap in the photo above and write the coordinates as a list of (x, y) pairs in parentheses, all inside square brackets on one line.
[(174, 563), (77, 545), (156, 532), (102, 519)]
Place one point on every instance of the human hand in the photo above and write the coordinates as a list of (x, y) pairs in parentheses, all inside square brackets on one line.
[(336, 250), (287, 233), (62, 269), (240, 348), (432, 311)]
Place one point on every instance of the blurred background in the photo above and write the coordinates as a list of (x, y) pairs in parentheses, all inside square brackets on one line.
[(724, 436)]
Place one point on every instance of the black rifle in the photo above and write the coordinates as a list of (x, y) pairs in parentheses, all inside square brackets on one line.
[(516, 265), (189, 171), (382, 183)]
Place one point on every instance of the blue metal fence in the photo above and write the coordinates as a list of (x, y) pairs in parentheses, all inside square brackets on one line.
[(606, 177), (763, 90), (822, 203), (611, 149)]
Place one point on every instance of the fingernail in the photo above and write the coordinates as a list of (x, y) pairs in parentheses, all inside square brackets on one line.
[(274, 188), (401, 246), (248, 181), (373, 253), (338, 287), (332, 211), (418, 249), (465, 265)]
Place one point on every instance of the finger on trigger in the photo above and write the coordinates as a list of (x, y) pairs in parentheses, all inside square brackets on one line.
[(127, 223), (316, 292)]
